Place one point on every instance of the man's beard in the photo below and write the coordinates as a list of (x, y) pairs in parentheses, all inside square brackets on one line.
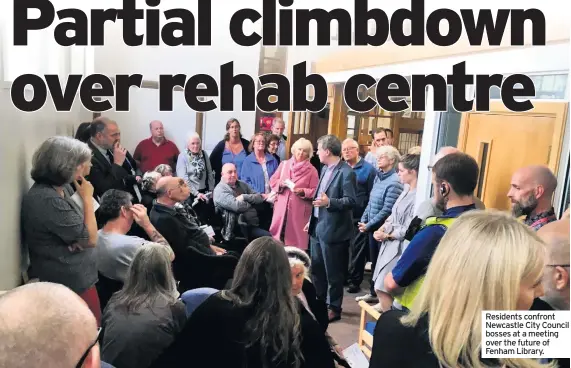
[(440, 203), (525, 207)]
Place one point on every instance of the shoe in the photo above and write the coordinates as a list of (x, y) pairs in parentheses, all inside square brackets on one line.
[(333, 316), (368, 298), (353, 289)]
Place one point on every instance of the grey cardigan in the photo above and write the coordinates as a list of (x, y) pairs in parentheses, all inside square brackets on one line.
[(225, 201), (184, 170)]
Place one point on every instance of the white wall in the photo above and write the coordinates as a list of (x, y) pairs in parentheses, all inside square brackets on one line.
[(117, 58)]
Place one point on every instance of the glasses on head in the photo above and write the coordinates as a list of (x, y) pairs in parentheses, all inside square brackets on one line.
[(556, 265), (84, 356)]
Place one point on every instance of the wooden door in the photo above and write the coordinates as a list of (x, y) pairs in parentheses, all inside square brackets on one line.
[(503, 141)]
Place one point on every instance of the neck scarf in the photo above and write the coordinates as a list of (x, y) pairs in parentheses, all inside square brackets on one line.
[(197, 164)]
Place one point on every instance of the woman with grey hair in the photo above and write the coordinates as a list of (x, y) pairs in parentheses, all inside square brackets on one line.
[(386, 190), (149, 189), (193, 165), (144, 317), (60, 231), (313, 311), (164, 170)]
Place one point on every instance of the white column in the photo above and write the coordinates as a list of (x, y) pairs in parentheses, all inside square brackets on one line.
[(429, 140)]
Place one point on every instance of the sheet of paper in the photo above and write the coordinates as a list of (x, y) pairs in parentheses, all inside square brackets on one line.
[(208, 230), (290, 184), (271, 196), (77, 199), (355, 357)]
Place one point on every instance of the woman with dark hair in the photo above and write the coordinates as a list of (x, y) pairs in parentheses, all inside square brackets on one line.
[(255, 323), (232, 149), (60, 234), (83, 132), (143, 318), (272, 144)]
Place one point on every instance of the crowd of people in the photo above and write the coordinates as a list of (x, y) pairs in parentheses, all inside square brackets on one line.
[(169, 258)]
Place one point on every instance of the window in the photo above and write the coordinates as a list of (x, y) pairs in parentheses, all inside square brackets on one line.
[(547, 87)]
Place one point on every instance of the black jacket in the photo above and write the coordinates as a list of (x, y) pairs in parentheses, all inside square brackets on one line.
[(215, 335), (105, 175), (216, 157), (195, 264)]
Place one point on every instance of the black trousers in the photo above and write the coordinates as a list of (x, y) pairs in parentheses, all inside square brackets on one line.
[(359, 253), (373, 254)]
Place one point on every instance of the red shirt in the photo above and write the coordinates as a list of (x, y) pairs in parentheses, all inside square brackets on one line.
[(150, 155)]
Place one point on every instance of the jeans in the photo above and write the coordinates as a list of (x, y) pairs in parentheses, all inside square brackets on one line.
[(359, 253), (328, 261)]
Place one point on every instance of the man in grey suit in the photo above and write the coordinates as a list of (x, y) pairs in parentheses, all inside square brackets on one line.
[(330, 225)]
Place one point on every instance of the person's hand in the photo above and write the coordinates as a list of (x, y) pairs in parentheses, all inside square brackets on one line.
[(138, 178), (380, 235), (119, 154), (219, 251), (75, 248), (299, 191), (306, 227), (140, 215), (339, 350), (362, 227), (202, 197), (240, 198), (85, 189), (321, 202), (264, 196)]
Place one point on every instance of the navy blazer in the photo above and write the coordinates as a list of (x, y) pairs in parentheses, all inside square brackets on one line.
[(105, 176), (335, 223)]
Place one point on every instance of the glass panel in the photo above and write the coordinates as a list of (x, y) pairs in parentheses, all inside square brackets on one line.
[(483, 163), (547, 87)]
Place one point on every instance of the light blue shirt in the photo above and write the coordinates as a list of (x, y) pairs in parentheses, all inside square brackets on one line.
[(281, 149), (324, 183)]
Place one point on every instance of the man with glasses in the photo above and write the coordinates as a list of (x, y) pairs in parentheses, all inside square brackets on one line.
[(198, 262), (556, 275), (47, 325), (365, 176)]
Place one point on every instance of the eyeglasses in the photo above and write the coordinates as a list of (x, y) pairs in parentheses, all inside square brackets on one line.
[(554, 265), (349, 149), (84, 356)]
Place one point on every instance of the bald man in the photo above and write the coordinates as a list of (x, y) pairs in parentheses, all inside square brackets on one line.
[(156, 150), (556, 276), (238, 203), (531, 192), (429, 208), (47, 325), (113, 167), (198, 262)]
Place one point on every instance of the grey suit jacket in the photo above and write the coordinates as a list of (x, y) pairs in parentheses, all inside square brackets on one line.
[(335, 223)]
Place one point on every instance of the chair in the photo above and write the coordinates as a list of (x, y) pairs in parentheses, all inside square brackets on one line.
[(203, 270), (369, 317), (106, 287)]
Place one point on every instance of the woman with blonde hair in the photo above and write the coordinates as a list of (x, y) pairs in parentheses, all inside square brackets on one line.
[(295, 182), (487, 260)]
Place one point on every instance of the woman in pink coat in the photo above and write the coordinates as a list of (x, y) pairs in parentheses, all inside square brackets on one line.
[(295, 183)]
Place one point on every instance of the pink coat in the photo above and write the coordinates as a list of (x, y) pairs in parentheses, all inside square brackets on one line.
[(291, 210)]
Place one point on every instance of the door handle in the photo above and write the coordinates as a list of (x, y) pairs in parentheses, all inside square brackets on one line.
[(548, 155)]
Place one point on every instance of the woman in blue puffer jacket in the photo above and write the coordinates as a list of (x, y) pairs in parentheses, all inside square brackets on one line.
[(386, 190)]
